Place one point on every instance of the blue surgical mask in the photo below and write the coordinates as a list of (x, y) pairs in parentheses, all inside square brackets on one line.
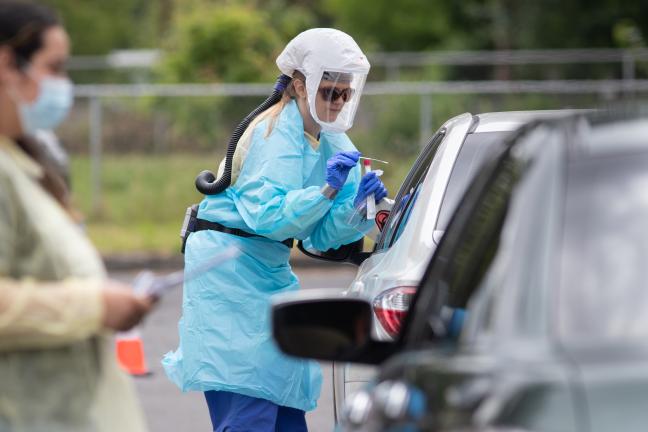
[(51, 107)]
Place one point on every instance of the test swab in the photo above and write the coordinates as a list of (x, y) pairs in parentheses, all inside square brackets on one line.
[(372, 159)]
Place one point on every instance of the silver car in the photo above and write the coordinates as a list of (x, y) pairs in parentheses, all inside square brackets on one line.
[(422, 208)]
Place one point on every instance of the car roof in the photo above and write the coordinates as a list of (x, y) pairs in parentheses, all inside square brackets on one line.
[(602, 132), (615, 136), (511, 120)]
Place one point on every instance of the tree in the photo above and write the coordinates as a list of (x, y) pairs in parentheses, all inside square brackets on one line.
[(414, 25), (406, 25), (98, 26), (230, 41)]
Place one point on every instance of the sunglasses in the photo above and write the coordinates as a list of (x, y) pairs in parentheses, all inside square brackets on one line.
[(332, 94)]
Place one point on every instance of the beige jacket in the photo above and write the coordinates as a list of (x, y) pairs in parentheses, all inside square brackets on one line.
[(57, 368)]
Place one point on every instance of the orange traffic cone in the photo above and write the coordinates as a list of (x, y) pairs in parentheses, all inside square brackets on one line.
[(130, 353)]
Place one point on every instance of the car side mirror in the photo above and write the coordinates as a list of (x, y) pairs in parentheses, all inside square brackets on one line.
[(350, 253), (317, 325)]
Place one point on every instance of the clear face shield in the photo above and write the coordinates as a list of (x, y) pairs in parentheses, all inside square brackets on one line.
[(333, 98)]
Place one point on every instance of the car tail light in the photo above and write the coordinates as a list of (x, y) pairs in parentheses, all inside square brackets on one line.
[(391, 307)]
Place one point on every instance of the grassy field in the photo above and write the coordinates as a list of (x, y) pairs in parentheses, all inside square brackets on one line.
[(144, 198)]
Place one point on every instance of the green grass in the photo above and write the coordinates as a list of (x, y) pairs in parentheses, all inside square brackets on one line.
[(144, 198)]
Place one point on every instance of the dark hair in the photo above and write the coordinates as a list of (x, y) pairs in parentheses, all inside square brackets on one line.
[(22, 27)]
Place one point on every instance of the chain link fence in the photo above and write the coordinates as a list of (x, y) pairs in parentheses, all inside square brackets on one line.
[(394, 118)]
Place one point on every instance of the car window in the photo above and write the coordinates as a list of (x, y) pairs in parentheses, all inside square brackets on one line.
[(513, 298), (605, 254), (407, 194), (474, 151)]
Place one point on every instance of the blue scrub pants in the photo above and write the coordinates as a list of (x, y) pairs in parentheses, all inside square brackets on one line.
[(232, 412)]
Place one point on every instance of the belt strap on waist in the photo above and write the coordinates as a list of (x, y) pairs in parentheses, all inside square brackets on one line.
[(202, 224)]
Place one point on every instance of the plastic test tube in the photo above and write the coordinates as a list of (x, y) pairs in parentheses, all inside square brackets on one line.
[(371, 200)]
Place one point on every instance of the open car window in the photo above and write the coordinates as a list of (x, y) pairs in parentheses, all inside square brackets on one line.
[(408, 194)]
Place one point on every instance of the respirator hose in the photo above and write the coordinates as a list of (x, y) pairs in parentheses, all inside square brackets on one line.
[(206, 181)]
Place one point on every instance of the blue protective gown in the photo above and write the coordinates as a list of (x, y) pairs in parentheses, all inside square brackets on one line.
[(225, 332)]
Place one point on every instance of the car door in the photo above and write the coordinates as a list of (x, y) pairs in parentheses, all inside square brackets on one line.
[(399, 258)]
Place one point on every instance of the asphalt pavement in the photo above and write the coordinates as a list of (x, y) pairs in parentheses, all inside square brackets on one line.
[(167, 409)]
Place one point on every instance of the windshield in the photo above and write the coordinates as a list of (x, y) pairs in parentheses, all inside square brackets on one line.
[(603, 292), (473, 153)]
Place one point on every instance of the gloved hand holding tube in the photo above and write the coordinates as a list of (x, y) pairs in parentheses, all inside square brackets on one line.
[(370, 185), (371, 200), (339, 166)]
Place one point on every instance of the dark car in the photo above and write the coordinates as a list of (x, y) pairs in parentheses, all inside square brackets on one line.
[(548, 255)]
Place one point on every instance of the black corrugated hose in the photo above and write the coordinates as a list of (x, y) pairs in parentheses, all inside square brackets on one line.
[(206, 182)]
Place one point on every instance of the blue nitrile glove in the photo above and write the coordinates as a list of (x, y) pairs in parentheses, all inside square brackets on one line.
[(370, 184), (403, 201), (455, 325), (338, 167)]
